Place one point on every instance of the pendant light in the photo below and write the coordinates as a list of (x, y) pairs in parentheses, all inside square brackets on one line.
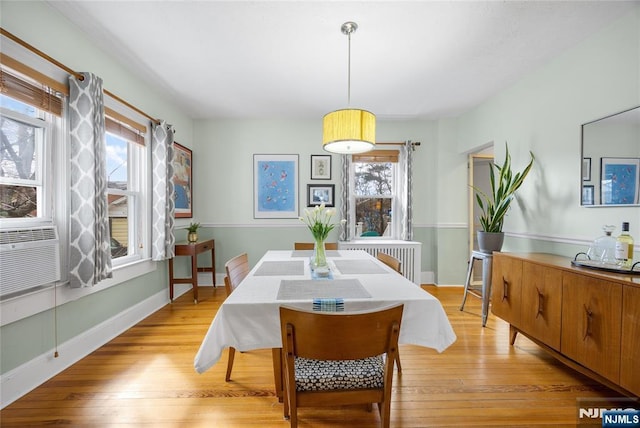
[(349, 130)]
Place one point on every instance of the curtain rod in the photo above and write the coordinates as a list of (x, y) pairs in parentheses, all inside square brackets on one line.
[(414, 143), (70, 71)]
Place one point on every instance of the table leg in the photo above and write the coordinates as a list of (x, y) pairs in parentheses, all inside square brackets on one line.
[(171, 279), (276, 355), (213, 267), (194, 276)]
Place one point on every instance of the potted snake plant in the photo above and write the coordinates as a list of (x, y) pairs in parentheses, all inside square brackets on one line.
[(504, 183)]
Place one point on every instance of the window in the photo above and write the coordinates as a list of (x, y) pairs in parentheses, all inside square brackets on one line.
[(375, 190), (126, 166), (26, 149)]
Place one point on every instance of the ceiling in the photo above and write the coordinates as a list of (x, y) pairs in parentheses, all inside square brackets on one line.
[(288, 59)]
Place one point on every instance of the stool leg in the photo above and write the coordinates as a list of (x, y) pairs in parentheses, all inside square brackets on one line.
[(486, 287), (467, 282)]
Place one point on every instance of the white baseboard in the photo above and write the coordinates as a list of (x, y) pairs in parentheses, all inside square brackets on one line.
[(204, 279), (427, 278), (19, 381)]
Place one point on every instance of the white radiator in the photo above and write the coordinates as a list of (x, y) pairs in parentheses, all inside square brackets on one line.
[(29, 258), (408, 252)]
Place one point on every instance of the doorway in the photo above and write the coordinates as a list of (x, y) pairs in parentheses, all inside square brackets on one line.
[(478, 166)]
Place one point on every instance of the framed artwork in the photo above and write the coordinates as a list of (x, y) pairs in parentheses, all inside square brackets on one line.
[(321, 167), (321, 193), (587, 194), (275, 186), (183, 181), (586, 169), (619, 181)]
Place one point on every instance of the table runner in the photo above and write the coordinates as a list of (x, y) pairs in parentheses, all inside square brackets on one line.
[(299, 289), (271, 268), (350, 267)]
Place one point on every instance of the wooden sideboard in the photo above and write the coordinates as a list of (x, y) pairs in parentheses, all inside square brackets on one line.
[(587, 319)]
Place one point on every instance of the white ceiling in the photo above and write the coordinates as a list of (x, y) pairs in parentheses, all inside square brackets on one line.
[(276, 59)]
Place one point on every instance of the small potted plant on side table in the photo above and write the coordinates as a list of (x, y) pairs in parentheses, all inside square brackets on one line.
[(192, 236)]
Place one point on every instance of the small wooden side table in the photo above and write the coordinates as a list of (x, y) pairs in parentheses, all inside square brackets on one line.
[(192, 249)]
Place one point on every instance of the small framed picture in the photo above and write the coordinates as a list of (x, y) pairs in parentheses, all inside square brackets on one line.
[(587, 195), (586, 169), (318, 194), (321, 167)]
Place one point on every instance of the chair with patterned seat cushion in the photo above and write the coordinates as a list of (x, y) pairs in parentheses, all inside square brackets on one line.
[(338, 358)]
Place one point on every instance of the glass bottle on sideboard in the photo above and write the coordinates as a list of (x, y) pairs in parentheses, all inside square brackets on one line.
[(603, 248), (624, 247)]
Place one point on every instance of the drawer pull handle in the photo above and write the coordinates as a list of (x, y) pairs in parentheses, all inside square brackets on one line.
[(540, 303), (505, 289), (589, 315)]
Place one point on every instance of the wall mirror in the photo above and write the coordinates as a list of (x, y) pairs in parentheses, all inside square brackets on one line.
[(611, 160)]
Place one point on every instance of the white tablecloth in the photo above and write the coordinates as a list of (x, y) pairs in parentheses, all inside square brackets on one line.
[(249, 318)]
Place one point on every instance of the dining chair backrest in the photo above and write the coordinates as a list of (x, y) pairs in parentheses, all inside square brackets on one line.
[(327, 339), (309, 245), (227, 286), (390, 261), (237, 269)]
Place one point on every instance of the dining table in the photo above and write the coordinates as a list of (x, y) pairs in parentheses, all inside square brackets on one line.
[(249, 318)]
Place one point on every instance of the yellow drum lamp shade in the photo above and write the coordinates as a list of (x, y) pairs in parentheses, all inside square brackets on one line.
[(349, 131)]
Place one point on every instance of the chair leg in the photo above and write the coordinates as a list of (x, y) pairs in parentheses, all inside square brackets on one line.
[(232, 354), (385, 413), (398, 363), (293, 416), (285, 400)]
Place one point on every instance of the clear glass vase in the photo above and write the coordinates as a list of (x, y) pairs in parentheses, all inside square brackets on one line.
[(319, 261)]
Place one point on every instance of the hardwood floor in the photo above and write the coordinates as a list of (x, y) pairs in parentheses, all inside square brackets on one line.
[(145, 377)]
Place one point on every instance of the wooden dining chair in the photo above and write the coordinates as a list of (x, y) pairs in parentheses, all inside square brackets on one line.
[(390, 261), (237, 269), (309, 245), (338, 358), (394, 264)]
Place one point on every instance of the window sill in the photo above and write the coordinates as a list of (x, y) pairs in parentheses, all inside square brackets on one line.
[(26, 305)]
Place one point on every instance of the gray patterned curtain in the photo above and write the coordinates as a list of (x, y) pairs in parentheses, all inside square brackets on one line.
[(89, 238), (163, 202), (406, 198), (344, 203)]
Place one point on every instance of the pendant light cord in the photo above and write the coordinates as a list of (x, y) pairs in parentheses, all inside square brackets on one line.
[(349, 73)]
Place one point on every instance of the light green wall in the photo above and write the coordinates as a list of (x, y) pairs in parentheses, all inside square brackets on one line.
[(223, 177), (543, 113), (73, 319), (42, 27)]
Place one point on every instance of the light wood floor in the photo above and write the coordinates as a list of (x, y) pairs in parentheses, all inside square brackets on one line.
[(145, 378)]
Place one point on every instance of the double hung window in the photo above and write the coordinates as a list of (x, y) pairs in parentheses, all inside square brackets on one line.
[(374, 176), (126, 166), (29, 127)]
